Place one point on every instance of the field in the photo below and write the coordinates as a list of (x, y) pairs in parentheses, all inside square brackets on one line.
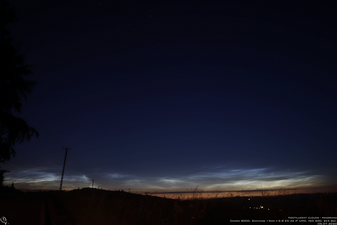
[(95, 206)]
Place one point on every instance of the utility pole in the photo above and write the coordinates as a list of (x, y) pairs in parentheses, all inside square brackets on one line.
[(92, 185), (64, 165)]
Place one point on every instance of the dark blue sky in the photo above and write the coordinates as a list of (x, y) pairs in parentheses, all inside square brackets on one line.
[(166, 96)]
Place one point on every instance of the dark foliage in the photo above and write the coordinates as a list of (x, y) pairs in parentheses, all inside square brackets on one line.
[(2, 172), (93, 206), (13, 89)]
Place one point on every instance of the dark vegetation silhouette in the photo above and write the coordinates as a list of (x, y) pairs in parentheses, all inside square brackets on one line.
[(97, 206), (14, 88)]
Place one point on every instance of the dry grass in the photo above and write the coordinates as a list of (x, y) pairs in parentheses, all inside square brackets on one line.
[(94, 206)]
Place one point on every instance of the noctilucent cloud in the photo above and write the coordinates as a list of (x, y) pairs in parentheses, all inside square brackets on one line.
[(167, 97)]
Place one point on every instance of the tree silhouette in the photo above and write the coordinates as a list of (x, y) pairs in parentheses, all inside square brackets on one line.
[(13, 89)]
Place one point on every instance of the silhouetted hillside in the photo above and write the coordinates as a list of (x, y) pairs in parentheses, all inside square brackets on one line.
[(94, 206)]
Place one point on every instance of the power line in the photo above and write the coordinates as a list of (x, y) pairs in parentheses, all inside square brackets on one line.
[(54, 138), (64, 165)]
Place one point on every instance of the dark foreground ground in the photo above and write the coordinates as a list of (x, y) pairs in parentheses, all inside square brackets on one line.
[(93, 206)]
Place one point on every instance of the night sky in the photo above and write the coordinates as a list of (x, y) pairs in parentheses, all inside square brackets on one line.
[(164, 96)]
